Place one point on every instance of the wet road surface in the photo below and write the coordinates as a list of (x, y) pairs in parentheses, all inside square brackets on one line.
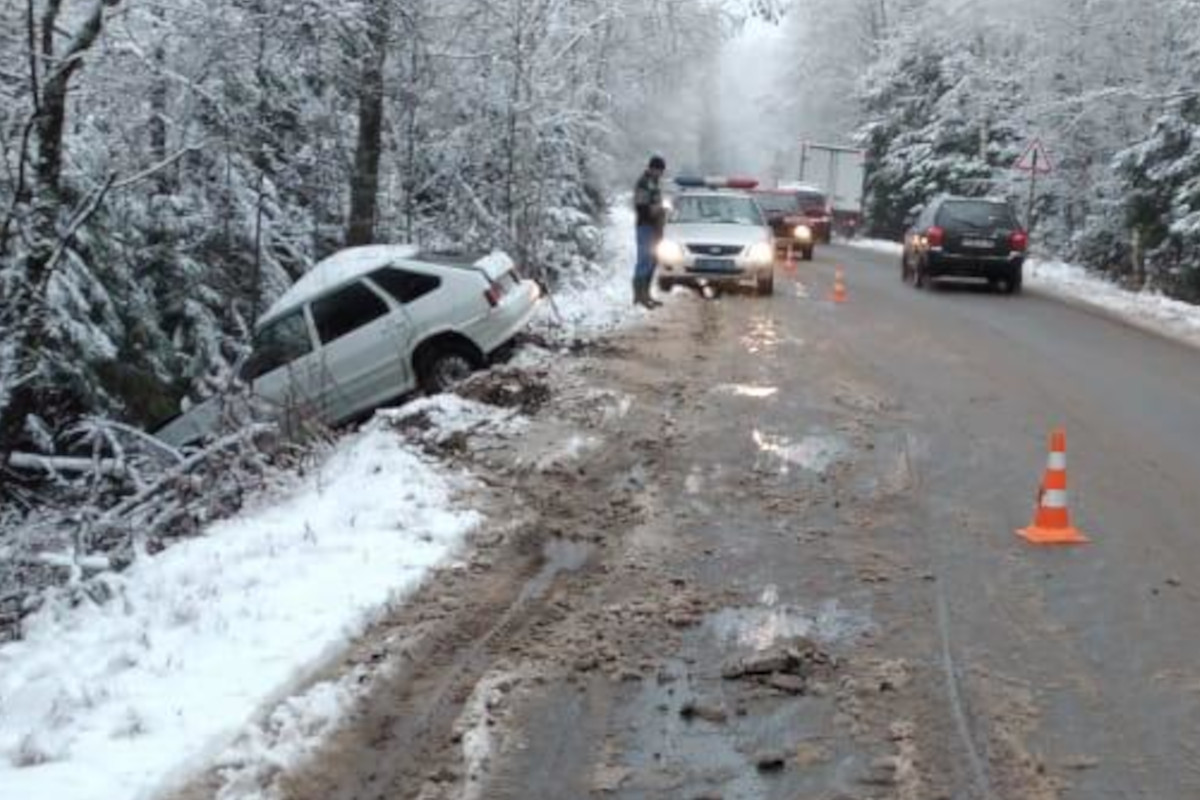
[(830, 491)]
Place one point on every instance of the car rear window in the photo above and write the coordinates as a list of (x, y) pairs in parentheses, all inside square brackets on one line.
[(403, 285), (976, 214), (346, 310)]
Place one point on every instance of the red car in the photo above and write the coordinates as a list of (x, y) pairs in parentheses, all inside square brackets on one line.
[(799, 217)]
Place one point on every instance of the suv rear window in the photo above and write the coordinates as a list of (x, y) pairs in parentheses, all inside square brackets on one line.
[(976, 215), (346, 310), (403, 285)]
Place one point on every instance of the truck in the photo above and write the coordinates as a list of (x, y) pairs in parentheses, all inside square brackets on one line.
[(839, 173)]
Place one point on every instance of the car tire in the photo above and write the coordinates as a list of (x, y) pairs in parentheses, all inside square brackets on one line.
[(905, 272), (1013, 284), (665, 285), (808, 253), (766, 284), (921, 277), (445, 366)]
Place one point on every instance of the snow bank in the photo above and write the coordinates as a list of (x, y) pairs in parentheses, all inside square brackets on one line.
[(1149, 310), (602, 300), (112, 700)]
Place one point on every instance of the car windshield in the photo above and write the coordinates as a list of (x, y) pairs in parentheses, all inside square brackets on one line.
[(811, 201), (976, 215), (717, 210), (778, 202)]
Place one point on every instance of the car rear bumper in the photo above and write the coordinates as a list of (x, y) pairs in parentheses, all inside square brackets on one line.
[(496, 328), (952, 265)]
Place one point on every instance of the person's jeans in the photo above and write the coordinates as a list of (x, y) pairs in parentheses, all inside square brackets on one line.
[(643, 269)]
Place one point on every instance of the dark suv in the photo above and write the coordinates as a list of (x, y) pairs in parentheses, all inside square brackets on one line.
[(965, 237)]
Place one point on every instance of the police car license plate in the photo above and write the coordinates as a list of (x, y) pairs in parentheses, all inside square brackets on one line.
[(714, 265), (978, 244)]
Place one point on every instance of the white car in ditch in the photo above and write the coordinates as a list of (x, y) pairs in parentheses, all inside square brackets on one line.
[(368, 325), (716, 237)]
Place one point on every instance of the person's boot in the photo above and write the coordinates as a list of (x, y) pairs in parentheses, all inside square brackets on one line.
[(650, 297), (641, 294)]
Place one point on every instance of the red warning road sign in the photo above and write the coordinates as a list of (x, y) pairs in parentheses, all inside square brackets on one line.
[(1035, 159)]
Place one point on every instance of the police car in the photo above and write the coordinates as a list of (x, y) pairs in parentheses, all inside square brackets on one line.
[(716, 235)]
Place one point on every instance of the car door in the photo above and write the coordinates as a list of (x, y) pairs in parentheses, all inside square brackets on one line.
[(282, 365), (416, 294), (359, 348)]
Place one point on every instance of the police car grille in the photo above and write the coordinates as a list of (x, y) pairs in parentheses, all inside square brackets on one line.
[(719, 250)]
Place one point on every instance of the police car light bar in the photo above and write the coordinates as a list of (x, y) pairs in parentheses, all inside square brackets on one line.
[(711, 182)]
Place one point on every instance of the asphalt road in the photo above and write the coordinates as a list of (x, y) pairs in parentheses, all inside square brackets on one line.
[(872, 469), (739, 472), (1098, 635)]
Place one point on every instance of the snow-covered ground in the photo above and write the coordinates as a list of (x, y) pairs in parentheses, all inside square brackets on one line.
[(1149, 310), (108, 700), (205, 653), (602, 300)]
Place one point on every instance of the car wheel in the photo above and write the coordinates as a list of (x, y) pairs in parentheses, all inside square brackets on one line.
[(808, 253), (445, 367), (920, 277), (905, 272), (766, 284), (665, 285), (1013, 284)]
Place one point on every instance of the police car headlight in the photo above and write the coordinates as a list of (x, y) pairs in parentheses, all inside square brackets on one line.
[(761, 254), (803, 233), (669, 253)]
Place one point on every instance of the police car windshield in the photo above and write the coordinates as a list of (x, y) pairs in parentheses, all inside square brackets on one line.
[(717, 210)]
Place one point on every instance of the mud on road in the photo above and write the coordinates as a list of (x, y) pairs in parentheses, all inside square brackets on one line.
[(705, 575)]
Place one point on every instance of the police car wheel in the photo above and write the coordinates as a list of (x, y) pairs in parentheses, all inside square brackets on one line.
[(766, 284)]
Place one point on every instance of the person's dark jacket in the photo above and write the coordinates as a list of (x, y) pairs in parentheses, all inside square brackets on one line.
[(648, 202)]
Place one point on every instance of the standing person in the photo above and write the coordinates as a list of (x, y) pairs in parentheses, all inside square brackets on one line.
[(651, 219)]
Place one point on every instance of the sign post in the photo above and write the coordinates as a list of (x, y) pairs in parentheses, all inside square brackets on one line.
[(1036, 161)]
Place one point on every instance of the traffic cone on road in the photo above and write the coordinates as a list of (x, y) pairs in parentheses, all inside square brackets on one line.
[(839, 286), (1052, 519)]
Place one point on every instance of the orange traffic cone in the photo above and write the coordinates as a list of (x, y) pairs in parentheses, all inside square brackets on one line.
[(839, 287), (1052, 520)]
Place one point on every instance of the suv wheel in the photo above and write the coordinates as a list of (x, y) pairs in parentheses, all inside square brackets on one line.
[(905, 272), (1013, 284), (920, 277), (446, 366)]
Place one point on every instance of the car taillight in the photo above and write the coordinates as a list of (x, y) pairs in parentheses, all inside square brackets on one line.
[(493, 294), (935, 236), (1018, 241)]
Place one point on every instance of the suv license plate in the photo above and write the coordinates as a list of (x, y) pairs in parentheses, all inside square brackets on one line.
[(978, 244)]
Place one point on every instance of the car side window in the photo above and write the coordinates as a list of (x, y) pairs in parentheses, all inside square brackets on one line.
[(278, 344), (346, 310), (404, 285)]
